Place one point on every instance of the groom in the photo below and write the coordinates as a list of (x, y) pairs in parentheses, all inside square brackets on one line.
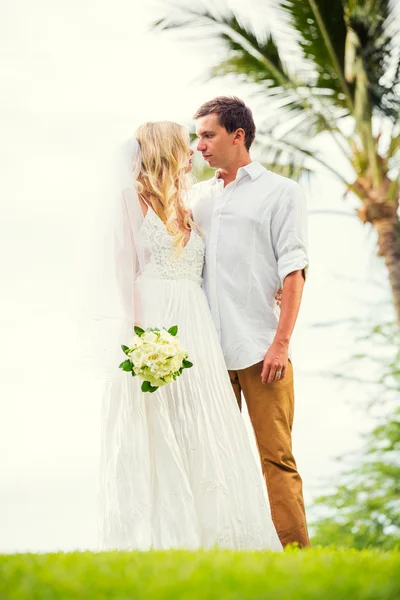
[(254, 223)]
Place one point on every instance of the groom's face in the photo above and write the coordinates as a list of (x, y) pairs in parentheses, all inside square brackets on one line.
[(215, 143)]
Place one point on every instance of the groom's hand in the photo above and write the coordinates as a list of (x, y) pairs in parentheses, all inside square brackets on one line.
[(275, 363)]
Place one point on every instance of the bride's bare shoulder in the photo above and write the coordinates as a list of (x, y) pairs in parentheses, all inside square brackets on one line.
[(143, 205)]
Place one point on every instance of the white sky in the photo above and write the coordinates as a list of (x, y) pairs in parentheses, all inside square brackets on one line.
[(76, 79)]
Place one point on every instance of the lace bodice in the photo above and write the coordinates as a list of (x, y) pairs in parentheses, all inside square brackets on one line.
[(162, 260)]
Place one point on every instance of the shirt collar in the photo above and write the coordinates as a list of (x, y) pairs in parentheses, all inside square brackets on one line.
[(254, 169)]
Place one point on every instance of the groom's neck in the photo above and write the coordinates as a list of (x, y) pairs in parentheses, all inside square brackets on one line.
[(229, 172)]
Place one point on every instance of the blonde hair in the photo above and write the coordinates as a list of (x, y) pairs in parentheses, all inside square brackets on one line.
[(163, 180)]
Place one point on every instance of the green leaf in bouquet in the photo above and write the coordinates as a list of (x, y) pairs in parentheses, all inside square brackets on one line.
[(187, 364), (125, 349), (126, 366), (173, 330), (138, 330), (147, 387)]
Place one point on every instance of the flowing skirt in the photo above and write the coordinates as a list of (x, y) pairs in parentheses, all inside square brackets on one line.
[(177, 468)]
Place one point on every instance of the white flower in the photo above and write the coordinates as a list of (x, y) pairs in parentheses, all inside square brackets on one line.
[(168, 349), (165, 336), (136, 342), (149, 336)]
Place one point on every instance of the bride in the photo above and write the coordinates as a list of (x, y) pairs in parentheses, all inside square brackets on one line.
[(177, 468)]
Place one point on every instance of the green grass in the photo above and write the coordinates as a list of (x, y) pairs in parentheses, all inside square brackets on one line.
[(221, 575)]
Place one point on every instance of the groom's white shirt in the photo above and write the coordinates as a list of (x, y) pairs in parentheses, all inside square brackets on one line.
[(255, 235)]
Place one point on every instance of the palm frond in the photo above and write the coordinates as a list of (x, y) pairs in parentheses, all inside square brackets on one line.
[(392, 155), (394, 146), (242, 61), (373, 44), (289, 169), (278, 150), (321, 30), (359, 158), (240, 42)]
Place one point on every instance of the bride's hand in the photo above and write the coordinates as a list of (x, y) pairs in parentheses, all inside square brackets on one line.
[(278, 297)]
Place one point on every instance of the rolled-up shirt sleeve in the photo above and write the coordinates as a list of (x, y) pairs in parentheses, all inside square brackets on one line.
[(290, 233)]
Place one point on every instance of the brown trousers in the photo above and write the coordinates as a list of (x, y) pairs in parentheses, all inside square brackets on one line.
[(271, 410)]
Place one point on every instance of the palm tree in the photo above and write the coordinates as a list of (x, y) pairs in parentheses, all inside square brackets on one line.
[(332, 70)]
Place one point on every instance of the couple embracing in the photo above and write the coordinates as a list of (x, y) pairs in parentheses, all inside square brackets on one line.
[(178, 469)]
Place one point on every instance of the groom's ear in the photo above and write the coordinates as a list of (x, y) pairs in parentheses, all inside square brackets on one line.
[(239, 136)]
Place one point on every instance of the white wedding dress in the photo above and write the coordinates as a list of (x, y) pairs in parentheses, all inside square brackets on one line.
[(177, 468)]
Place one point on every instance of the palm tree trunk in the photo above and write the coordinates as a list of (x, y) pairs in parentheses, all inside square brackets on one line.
[(389, 247)]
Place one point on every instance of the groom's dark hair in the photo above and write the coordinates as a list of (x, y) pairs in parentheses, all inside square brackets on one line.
[(233, 114)]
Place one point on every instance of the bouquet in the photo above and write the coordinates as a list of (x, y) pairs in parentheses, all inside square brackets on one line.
[(156, 356)]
